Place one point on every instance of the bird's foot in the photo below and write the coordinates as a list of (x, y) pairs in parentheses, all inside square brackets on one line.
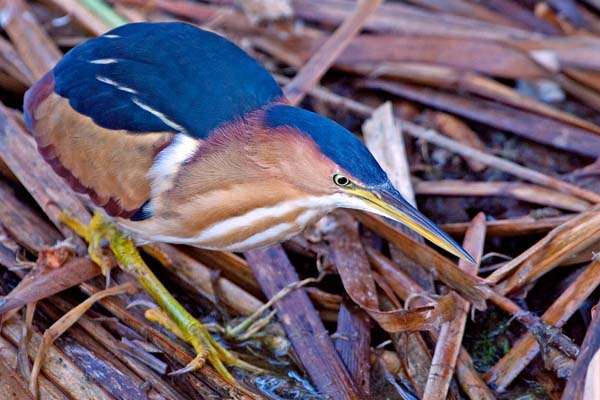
[(96, 233), (172, 315), (255, 322), (205, 346)]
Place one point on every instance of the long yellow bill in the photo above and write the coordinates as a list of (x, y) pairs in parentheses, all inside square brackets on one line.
[(391, 204)]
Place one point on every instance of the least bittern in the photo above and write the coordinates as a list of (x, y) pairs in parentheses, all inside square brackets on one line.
[(182, 137)]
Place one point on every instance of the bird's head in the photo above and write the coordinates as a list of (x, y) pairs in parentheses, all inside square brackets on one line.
[(327, 162)]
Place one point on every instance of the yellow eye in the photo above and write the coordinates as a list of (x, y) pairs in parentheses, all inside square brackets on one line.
[(341, 180)]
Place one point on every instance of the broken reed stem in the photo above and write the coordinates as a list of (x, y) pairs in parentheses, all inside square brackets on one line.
[(33, 44), (521, 191), (508, 166), (511, 227), (319, 63), (558, 244), (302, 324), (583, 381), (526, 348), (405, 287), (103, 11), (465, 284), (83, 15), (451, 333), (64, 323)]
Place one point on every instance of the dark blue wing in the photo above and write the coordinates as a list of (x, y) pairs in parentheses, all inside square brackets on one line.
[(153, 77)]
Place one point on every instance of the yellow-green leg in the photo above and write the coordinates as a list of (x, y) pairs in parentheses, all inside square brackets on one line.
[(175, 317)]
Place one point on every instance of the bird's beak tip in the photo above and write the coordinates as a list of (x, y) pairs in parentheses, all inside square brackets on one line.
[(392, 205), (468, 257)]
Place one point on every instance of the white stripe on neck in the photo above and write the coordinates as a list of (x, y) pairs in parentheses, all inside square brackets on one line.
[(169, 161)]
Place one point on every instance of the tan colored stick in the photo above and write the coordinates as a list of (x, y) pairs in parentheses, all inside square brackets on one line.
[(451, 333), (37, 50), (520, 191), (526, 348), (320, 62), (82, 15), (64, 323)]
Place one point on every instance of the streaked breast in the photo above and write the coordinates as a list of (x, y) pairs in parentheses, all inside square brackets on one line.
[(256, 228)]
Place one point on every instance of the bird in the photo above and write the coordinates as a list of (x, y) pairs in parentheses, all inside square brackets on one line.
[(177, 135)]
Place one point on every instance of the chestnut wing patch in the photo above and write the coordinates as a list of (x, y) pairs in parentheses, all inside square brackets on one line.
[(111, 166)]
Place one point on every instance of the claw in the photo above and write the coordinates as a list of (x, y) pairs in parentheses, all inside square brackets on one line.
[(197, 363)]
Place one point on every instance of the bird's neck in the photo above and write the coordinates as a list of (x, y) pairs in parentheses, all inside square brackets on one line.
[(235, 194)]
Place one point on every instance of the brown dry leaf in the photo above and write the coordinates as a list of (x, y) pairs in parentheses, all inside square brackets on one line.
[(43, 282), (347, 253), (417, 319), (469, 286)]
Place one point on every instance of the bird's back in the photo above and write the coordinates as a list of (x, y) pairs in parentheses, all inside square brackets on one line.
[(113, 104)]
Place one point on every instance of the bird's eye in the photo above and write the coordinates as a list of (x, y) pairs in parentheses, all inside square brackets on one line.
[(341, 180)]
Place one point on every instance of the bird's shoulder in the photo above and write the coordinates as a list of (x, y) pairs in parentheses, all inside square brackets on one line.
[(150, 77)]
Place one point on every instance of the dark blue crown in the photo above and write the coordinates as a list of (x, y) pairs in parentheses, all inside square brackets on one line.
[(335, 141)]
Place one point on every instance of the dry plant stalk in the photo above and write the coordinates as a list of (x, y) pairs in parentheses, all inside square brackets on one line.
[(560, 243), (402, 285), (451, 333), (512, 227), (64, 323), (384, 139), (348, 256), (526, 348), (58, 368), (82, 15), (470, 287), (455, 128), (520, 191), (499, 163), (448, 78), (33, 44), (48, 390), (531, 126), (474, 38), (320, 62), (592, 383)]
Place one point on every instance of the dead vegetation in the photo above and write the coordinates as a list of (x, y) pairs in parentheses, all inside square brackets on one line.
[(484, 114)]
